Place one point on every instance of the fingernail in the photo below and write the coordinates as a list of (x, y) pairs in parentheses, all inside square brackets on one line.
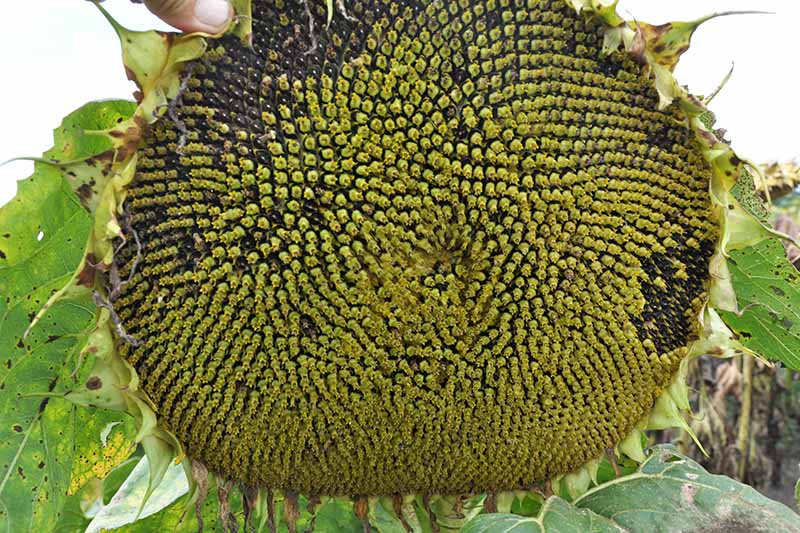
[(215, 13)]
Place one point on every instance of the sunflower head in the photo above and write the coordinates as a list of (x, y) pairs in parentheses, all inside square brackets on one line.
[(408, 247), (436, 248)]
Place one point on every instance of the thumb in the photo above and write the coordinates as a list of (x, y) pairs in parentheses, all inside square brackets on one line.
[(209, 16)]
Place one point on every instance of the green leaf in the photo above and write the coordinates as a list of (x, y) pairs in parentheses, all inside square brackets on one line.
[(530, 505), (383, 518), (556, 516), (670, 492), (331, 516), (36, 434), (768, 292), (74, 517), (42, 235), (336, 515), (797, 492)]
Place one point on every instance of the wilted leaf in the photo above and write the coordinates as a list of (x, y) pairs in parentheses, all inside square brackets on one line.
[(153, 60), (178, 518), (114, 480), (670, 492), (331, 516), (768, 292), (781, 178), (125, 506), (667, 42)]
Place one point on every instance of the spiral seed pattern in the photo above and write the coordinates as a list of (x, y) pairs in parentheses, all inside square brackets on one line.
[(435, 247)]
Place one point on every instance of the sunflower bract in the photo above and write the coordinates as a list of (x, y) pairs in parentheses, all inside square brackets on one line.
[(436, 247)]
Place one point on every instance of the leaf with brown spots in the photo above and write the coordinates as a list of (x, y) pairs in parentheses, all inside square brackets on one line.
[(667, 42), (40, 436), (105, 442), (768, 292), (88, 143)]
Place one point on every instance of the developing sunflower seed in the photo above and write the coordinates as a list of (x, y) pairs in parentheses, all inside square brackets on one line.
[(433, 247)]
